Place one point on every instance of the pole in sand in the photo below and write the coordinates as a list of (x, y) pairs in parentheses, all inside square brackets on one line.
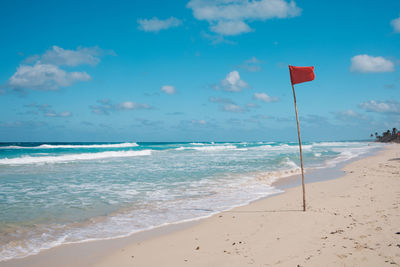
[(300, 75)]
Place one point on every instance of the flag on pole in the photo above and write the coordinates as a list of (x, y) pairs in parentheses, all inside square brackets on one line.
[(301, 74)]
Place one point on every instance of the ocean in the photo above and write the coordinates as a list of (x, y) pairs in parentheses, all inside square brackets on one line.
[(58, 193)]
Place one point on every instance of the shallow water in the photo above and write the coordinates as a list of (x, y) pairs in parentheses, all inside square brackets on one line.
[(58, 193)]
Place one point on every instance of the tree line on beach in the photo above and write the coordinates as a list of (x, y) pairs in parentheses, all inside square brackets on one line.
[(388, 136)]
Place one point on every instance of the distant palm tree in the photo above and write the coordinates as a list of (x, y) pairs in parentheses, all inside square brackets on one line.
[(388, 136), (384, 134)]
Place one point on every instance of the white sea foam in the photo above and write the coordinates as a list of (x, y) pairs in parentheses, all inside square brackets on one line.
[(272, 176), (330, 144), (198, 144), (207, 148), (74, 157), (263, 147), (347, 154), (201, 199), (291, 164), (44, 146), (282, 147), (12, 147)]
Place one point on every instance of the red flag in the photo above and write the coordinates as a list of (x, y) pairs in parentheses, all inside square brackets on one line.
[(301, 74)]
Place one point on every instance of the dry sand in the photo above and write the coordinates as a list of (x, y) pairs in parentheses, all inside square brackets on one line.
[(350, 221)]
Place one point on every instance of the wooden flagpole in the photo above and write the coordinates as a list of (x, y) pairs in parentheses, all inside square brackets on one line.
[(301, 152)]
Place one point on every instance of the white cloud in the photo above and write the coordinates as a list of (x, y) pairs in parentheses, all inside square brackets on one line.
[(43, 72), (226, 104), (168, 89), (105, 106), (155, 24), (233, 83), (252, 64), (365, 63), (61, 114), (199, 122), (389, 106), (252, 105), (265, 98), (44, 77), (253, 60), (232, 108), (65, 114), (46, 110), (132, 105), (230, 13), (82, 55), (230, 27), (240, 10), (216, 39), (396, 24), (349, 115)]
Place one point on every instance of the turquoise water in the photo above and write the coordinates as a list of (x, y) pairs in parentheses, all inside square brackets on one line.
[(57, 193)]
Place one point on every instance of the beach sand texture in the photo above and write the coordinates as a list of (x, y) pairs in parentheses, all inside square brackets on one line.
[(351, 221)]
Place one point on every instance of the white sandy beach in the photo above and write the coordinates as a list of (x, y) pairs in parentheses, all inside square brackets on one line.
[(350, 221)]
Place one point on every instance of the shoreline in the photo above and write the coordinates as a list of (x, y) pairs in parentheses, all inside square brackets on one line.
[(328, 173), (99, 247)]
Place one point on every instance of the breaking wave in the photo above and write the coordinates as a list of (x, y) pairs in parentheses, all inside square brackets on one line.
[(73, 157), (207, 148), (44, 146)]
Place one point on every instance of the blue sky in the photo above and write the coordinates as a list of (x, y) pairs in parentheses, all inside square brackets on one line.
[(197, 70)]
